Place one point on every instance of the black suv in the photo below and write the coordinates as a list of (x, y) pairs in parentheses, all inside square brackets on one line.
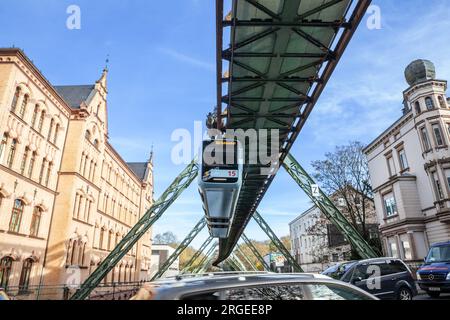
[(385, 278)]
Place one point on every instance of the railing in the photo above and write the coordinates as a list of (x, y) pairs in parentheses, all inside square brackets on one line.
[(108, 291)]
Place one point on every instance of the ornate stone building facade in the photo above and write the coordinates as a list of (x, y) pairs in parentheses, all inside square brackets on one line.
[(66, 196), (409, 166)]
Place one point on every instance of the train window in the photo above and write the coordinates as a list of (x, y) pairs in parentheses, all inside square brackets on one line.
[(220, 161)]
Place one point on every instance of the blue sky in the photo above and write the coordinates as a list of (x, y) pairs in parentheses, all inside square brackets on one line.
[(162, 75)]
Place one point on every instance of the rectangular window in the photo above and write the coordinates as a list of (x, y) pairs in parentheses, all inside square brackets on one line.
[(437, 186), (394, 250), (390, 205), (425, 139), (447, 175), (391, 166), (438, 135), (407, 250), (403, 160)]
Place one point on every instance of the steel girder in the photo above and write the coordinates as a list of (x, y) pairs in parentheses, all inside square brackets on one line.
[(328, 208), (207, 257), (255, 252), (239, 250), (277, 242), (197, 254), (183, 245), (148, 219), (251, 90), (239, 262)]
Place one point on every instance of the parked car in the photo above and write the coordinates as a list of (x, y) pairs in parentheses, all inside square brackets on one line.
[(385, 278), (338, 270), (434, 275), (269, 286)]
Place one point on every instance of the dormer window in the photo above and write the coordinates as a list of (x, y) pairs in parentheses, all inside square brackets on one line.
[(429, 103)]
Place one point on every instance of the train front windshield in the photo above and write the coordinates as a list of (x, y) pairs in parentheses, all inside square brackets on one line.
[(220, 161)]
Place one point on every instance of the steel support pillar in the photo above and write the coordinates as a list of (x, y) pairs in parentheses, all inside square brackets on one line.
[(277, 242), (208, 261), (183, 245), (251, 265), (207, 256), (197, 254), (238, 261), (328, 208), (148, 219), (255, 252)]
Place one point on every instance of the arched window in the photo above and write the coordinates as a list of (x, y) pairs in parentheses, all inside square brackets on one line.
[(35, 114), (41, 121), (24, 160), (81, 252), (110, 243), (50, 130), (49, 172), (418, 109), (41, 172), (35, 221), (429, 103), (16, 216), (96, 143), (12, 153), (31, 164), (442, 102), (15, 99), (5, 271), (87, 135), (25, 275), (74, 256), (23, 107), (101, 239), (55, 137), (3, 145)]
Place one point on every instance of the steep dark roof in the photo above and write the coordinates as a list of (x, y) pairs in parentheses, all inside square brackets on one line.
[(139, 169), (74, 95)]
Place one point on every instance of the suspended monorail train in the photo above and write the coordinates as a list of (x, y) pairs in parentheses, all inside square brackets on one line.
[(220, 183)]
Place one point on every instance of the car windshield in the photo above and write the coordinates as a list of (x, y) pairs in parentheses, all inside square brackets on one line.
[(439, 254)]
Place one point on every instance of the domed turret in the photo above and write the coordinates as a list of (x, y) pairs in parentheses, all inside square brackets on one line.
[(420, 70)]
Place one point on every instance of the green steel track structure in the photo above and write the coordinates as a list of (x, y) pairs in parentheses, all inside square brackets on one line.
[(328, 208), (183, 245), (255, 252), (197, 254), (206, 258), (277, 242), (281, 56), (148, 219), (250, 264)]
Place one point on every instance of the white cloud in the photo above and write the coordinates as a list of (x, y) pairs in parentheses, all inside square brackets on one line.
[(184, 58)]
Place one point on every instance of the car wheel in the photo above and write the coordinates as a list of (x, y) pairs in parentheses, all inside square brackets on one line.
[(404, 294), (434, 294)]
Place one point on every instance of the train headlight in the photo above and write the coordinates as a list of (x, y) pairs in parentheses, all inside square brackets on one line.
[(448, 277), (419, 277)]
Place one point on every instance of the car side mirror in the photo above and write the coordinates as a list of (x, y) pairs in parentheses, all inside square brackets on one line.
[(357, 279)]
